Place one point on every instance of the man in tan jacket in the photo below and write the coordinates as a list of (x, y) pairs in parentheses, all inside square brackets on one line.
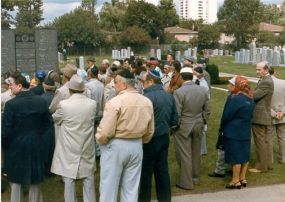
[(127, 122)]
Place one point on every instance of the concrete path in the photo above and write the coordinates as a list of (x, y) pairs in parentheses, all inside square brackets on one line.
[(271, 193), (251, 79)]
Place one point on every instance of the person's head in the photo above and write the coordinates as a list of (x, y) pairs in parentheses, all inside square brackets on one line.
[(106, 63), (152, 63), (186, 74), (177, 66), (262, 69), (170, 58), (49, 85), (93, 72), (271, 71), (242, 86), (167, 68), (127, 63), (76, 84), (198, 72), (18, 83), (150, 78), (188, 61), (40, 75), (91, 61), (231, 84), (68, 71), (124, 80)]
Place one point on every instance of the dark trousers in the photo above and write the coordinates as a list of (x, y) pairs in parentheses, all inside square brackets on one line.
[(155, 155)]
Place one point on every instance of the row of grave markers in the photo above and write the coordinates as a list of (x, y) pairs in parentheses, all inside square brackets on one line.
[(275, 57)]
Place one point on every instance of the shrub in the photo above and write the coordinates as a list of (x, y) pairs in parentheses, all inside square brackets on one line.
[(213, 70)]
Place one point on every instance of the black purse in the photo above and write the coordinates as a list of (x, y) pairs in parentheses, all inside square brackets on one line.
[(220, 141)]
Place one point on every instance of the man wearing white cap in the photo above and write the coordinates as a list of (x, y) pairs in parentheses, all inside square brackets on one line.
[(192, 103), (74, 155)]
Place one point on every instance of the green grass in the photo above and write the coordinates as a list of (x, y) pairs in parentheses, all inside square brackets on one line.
[(53, 187), (226, 64)]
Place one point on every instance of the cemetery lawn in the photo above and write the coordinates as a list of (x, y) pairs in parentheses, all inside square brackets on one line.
[(53, 187), (226, 64)]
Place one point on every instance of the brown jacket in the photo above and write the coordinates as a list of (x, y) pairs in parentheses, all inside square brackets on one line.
[(129, 115), (262, 96)]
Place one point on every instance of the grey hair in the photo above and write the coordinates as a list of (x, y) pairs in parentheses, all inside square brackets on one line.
[(129, 82)]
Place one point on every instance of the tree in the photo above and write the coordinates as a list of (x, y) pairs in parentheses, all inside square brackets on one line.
[(191, 24), (281, 38), (241, 19), (266, 38), (135, 37), (272, 14), (29, 15), (111, 16), (144, 15), (208, 36), (7, 6), (89, 5), (168, 13), (79, 27)]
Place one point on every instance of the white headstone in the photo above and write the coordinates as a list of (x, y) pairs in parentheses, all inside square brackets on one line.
[(237, 57), (221, 52), (246, 56), (81, 62), (158, 54)]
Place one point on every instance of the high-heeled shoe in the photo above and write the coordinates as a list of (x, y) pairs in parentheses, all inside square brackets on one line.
[(233, 185), (243, 182)]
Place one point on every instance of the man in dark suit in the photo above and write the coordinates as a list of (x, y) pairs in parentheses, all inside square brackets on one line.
[(26, 123), (192, 104), (262, 118)]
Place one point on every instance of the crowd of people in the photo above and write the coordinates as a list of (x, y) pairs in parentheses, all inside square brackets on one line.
[(123, 113)]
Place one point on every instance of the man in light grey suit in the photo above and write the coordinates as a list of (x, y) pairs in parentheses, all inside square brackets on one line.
[(262, 118), (278, 117), (192, 103)]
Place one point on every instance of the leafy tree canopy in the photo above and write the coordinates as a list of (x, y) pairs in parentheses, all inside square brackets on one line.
[(241, 19), (135, 37), (144, 15), (6, 18), (80, 27)]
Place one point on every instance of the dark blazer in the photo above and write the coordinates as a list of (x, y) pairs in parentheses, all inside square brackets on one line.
[(237, 116), (262, 96), (26, 124), (165, 113), (38, 90)]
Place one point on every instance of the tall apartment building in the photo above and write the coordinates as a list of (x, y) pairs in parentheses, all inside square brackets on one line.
[(197, 9)]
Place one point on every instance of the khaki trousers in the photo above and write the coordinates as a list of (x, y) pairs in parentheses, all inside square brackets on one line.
[(280, 131), (262, 147)]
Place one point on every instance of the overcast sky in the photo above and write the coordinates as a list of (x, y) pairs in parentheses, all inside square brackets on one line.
[(55, 8)]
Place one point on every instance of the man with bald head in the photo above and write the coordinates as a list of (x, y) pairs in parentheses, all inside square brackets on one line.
[(127, 122), (262, 118)]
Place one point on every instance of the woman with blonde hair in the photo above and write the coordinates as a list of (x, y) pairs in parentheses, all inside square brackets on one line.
[(236, 128)]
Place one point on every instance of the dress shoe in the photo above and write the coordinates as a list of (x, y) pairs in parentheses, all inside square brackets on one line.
[(178, 186), (233, 185), (254, 170), (214, 174), (243, 183)]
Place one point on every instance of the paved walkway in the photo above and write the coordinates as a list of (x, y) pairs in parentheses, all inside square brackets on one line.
[(251, 79), (272, 193)]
